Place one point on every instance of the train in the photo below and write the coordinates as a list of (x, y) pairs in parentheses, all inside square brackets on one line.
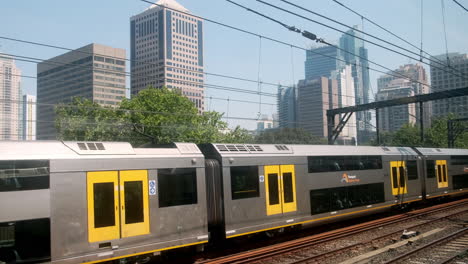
[(90, 202)]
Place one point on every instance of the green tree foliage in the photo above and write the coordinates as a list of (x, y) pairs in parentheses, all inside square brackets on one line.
[(83, 119), (435, 136), (288, 136), (153, 116)]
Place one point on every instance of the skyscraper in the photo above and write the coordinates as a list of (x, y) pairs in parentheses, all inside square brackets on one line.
[(287, 112), (29, 117), (166, 48), (393, 118), (443, 80), (346, 98), (320, 62), (314, 98), (355, 54), (95, 72), (10, 99), (391, 86)]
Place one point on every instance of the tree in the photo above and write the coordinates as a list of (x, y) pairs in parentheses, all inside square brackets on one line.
[(288, 136), (435, 136), (154, 115), (82, 119)]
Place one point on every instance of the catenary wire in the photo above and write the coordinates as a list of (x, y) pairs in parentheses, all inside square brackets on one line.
[(355, 36), (360, 31), (274, 40), (384, 29)]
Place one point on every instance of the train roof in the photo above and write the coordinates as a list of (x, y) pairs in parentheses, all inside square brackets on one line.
[(21, 150), (226, 150), (442, 151)]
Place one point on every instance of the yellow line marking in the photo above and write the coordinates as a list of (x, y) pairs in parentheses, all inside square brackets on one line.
[(146, 252)]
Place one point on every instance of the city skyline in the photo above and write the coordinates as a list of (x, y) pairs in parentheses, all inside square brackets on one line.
[(242, 55)]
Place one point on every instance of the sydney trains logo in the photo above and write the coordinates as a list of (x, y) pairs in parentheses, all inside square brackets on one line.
[(349, 178)]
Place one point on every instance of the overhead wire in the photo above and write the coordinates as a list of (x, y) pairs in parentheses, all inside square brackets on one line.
[(384, 29), (456, 2), (354, 36), (355, 29)]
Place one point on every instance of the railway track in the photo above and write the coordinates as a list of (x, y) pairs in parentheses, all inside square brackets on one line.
[(442, 250), (290, 247)]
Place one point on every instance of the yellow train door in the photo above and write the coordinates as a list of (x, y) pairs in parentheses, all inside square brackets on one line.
[(398, 177), (134, 202), (280, 188), (103, 206), (288, 180), (117, 204), (442, 173), (273, 190)]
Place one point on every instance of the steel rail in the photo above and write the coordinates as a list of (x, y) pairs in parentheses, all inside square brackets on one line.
[(283, 248)]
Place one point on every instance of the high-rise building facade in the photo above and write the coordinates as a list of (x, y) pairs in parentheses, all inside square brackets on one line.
[(356, 55), (391, 86), (95, 72), (393, 118), (346, 98), (320, 62), (10, 99), (166, 48), (442, 79), (314, 98), (29, 117), (287, 111)]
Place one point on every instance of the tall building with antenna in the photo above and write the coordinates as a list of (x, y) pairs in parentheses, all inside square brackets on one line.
[(166, 49)]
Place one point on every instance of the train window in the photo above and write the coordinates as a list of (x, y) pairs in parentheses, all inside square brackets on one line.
[(288, 187), (395, 177), (104, 214), (333, 199), (460, 181), (244, 182), (177, 186), (273, 187), (402, 176), (459, 160), (444, 172), (430, 166), (133, 202), (412, 167), (319, 201), (343, 163), (22, 175)]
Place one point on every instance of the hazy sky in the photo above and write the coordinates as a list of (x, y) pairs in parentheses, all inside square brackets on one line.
[(73, 24)]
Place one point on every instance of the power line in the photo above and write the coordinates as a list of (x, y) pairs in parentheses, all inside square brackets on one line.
[(314, 37), (275, 40), (355, 29), (460, 5), (384, 29), (355, 36), (132, 60), (153, 77)]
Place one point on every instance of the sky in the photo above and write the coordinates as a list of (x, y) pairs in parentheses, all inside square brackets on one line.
[(73, 24)]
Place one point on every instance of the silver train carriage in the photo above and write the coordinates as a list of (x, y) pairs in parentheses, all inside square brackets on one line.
[(269, 187), (87, 202), (76, 202)]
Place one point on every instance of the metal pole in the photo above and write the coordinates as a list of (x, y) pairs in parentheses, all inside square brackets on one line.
[(421, 121), (377, 125), (449, 134), (331, 125)]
